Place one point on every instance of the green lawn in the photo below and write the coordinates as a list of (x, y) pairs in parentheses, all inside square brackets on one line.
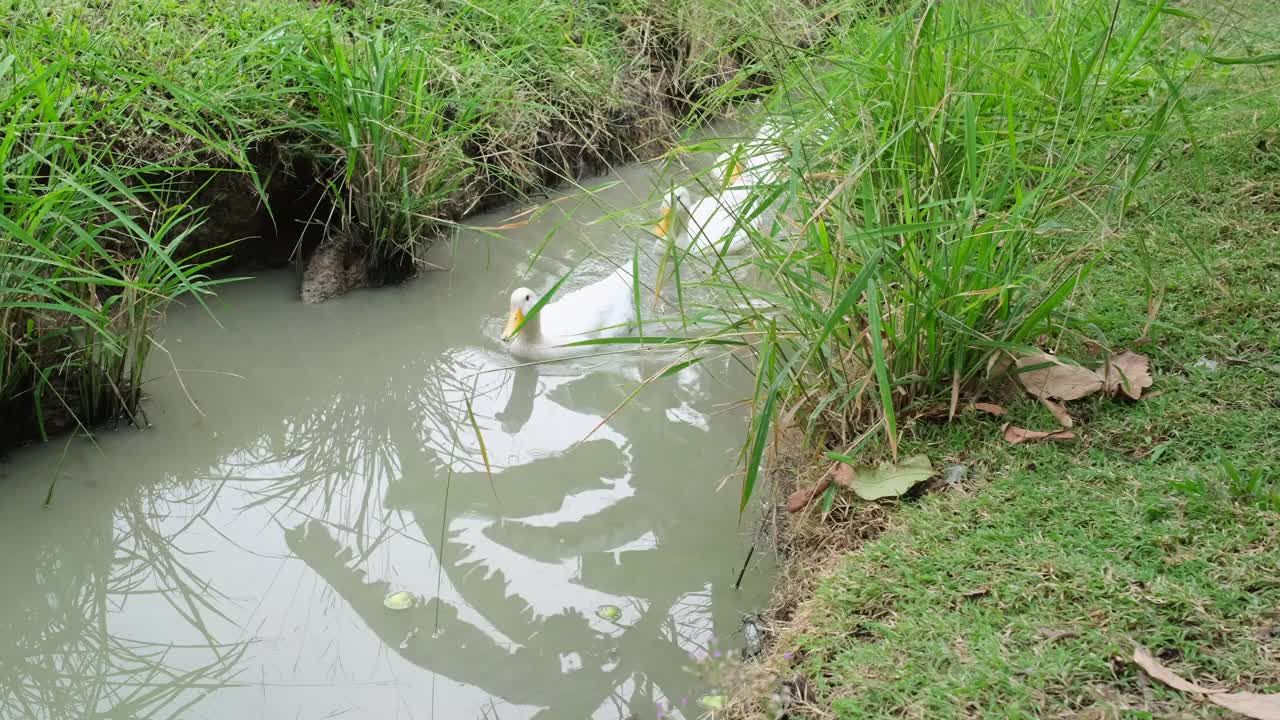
[(1019, 594)]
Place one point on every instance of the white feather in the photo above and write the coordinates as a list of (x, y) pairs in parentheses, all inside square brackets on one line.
[(605, 308)]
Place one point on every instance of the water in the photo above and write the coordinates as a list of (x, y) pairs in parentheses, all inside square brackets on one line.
[(233, 560)]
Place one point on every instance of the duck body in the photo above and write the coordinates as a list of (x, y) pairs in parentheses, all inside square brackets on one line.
[(713, 218), (718, 223), (605, 308)]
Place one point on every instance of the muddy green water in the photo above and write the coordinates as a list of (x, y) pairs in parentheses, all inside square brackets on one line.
[(232, 562)]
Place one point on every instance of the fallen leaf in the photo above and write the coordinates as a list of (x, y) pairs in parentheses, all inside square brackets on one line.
[(801, 498), (1059, 412), (400, 600), (712, 702), (1158, 671), (885, 480), (1015, 434), (1052, 378), (1127, 372), (990, 408), (842, 474), (1254, 705)]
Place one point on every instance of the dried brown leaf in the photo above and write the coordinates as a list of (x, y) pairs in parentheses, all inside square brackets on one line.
[(1059, 412), (1155, 669), (843, 475), (1015, 434), (801, 498), (1127, 372), (990, 408), (1052, 378), (1254, 705)]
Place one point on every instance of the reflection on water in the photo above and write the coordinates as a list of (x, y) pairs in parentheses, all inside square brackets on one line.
[(233, 561)]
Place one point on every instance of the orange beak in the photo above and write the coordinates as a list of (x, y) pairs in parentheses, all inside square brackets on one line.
[(664, 225), (735, 171), (513, 324)]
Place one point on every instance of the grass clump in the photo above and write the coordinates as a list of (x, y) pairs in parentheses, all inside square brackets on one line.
[(930, 155), (84, 271)]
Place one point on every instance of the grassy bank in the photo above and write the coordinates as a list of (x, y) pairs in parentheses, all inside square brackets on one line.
[(939, 162), (1019, 593), (968, 183), (147, 145)]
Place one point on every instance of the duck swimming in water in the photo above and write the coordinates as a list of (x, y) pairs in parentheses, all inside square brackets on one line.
[(605, 308)]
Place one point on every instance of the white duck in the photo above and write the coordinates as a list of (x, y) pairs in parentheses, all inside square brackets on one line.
[(752, 163), (740, 176), (709, 220), (605, 308)]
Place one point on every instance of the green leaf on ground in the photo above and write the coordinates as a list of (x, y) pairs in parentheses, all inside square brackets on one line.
[(885, 480)]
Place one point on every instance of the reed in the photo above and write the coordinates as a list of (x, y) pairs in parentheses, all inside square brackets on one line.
[(953, 173)]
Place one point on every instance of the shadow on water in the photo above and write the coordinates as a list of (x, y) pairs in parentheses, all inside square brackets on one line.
[(234, 561)]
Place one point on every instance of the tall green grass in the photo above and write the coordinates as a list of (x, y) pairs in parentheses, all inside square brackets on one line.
[(372, 119), (953, 172), (88, 258)]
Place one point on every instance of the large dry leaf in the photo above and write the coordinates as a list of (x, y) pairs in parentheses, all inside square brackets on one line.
[(1254, 705), (1057, 379), (1059, 412), (1128, 373), (885, 480), (1158, 671), (1015, 434)]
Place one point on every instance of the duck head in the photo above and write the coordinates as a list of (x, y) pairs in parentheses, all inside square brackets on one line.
[(733, 171), (679, 196), (522, 300)]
